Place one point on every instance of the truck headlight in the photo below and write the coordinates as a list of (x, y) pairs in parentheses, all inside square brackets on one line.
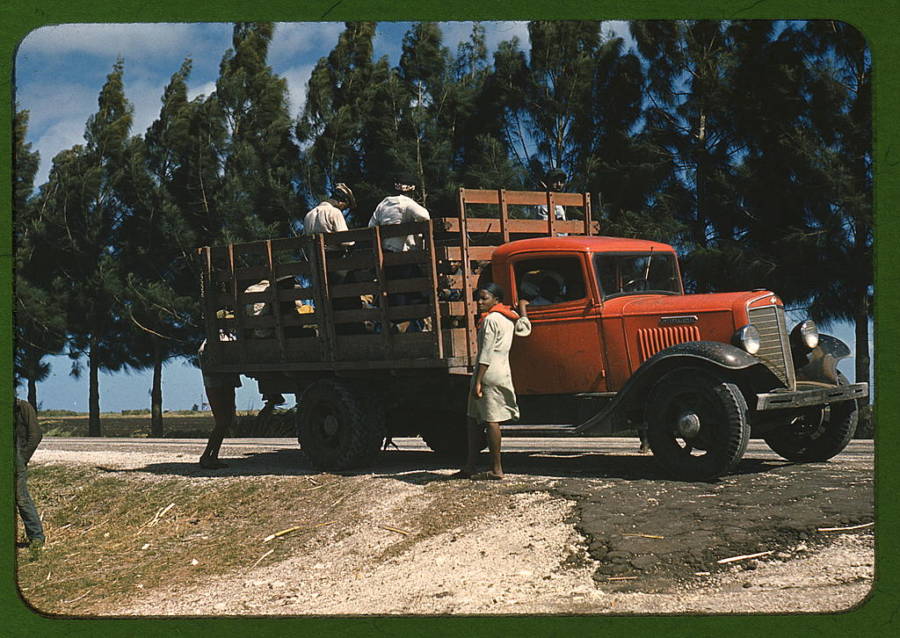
[(747, 338), (805, 335)]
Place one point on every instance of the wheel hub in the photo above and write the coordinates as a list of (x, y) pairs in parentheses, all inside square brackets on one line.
[(330, 425), (688, 425)]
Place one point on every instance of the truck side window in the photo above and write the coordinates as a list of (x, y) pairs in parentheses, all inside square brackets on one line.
[(550, 280)]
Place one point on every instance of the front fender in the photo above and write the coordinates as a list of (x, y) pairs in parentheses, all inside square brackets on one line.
[(821, 363), (701, 354)]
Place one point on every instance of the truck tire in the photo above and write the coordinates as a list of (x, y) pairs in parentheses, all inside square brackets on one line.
[(818, 435), (339, 426), (697, 424), (446, 435)]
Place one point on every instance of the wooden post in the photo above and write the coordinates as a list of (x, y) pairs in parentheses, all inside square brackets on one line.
[(323, 304), (588, 216), (504, 214), (275, 305), (467, 287), (210, 294), (551, 214), (239, 308), (436, 328), (382, 293)]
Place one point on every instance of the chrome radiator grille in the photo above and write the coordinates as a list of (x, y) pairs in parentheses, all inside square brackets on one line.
[(774, 347)]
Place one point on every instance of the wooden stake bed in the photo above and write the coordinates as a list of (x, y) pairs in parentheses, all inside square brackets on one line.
[(335, 308)]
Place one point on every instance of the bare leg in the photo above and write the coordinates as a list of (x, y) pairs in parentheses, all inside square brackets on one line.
[(493, 437), (221, 401), (473, 438)]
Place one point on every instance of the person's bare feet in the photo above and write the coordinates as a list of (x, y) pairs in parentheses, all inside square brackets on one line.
[(487, 476)]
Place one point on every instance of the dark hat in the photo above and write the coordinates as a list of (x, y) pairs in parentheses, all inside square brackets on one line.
[(404, 179), (343, 193), (556, 175)]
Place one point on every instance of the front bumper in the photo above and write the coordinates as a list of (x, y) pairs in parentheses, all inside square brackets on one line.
[(809, 395)]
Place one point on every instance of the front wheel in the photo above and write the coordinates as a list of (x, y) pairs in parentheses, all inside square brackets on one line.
[(817, 435), (339, 426), (697, 424)]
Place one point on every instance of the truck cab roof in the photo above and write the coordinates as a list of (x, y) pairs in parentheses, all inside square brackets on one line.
[(580, 243)]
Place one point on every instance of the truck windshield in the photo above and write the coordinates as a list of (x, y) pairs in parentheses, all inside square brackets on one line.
[(629, 274)]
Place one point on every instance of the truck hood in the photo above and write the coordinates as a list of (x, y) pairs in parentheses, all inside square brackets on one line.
[(732, 302)]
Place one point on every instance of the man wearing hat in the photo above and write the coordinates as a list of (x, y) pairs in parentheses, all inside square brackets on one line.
[(554, 181), (401, 208), (328, 217)]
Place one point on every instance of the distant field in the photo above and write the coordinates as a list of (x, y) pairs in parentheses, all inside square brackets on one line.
[(177, 425)]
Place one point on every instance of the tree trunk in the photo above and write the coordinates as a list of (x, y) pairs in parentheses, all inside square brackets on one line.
[(862, 338), (32, 393), (156, 417), (94, 392)]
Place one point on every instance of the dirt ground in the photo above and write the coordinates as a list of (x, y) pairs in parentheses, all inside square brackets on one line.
[(594, 530)]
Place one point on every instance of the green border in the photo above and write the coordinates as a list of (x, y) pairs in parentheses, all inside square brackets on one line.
[(876, 20)]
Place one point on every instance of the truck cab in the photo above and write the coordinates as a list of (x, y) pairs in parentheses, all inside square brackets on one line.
[(701, 373)]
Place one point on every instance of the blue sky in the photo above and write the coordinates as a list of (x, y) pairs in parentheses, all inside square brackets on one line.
[(59, 71)]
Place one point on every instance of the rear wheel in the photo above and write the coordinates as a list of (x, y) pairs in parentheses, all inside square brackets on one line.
[(697, 424), (339, 426)]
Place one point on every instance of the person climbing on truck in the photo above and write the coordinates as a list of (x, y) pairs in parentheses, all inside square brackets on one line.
[(328, 216), (492, 397)]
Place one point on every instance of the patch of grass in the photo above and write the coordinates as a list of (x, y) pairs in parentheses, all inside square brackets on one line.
[(112, 535), (176, 425)]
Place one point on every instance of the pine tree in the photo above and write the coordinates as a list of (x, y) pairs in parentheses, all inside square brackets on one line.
[(256, 197), (157, 239), (84, 210), (39, 319), (349, 122)]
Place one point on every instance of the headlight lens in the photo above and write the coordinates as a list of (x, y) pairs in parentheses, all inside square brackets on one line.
[(748, 339), (805, 334)]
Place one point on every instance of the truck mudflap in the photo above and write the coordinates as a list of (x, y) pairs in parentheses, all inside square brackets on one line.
[(808, 394)]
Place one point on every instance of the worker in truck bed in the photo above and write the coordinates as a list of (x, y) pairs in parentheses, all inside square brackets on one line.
[(555, 180), (401, 208)]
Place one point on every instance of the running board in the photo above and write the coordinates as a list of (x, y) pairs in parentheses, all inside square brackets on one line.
[(540, 430)]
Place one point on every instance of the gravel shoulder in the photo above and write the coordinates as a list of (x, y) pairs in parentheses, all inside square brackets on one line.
[(413, 542)]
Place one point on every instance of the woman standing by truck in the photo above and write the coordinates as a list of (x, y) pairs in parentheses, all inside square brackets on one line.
[(492, 398)]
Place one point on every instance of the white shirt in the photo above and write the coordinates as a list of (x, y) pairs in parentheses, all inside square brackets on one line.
[(325, 218), (542, 212), (398, 209)]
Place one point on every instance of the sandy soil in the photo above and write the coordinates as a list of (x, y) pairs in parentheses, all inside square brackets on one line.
[(519, 551)]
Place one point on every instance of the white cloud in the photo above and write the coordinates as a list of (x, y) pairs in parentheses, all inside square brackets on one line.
[(497, 32), (204, 89), (297, 77), (61, 135), (293, 40), (144, 40)]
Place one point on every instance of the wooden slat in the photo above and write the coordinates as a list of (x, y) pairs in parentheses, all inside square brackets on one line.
[(452, 308), (417, 284), (407, 257), (401, 230), (292, 268), (518, 226), (351, 290), (476, 253), (518, 198), (210, 307)]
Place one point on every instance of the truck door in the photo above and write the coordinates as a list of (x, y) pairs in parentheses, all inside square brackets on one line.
[(564, 353)]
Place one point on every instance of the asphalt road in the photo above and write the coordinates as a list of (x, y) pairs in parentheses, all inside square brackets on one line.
[(636, 518)]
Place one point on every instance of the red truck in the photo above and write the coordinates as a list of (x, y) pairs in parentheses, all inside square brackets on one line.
[(616, 344)]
